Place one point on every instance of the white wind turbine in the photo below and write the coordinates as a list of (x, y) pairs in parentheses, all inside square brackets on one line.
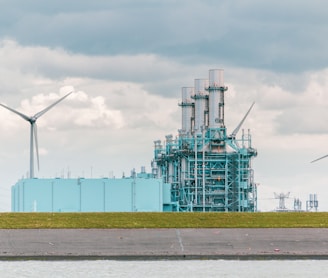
[(32, 120)]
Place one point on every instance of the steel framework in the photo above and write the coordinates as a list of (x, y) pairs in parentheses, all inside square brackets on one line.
[(207, 169)]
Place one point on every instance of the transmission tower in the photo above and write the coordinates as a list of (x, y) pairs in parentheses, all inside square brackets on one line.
[(281, 198)]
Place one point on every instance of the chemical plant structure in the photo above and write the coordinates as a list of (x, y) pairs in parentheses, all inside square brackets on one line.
[(208, 169)]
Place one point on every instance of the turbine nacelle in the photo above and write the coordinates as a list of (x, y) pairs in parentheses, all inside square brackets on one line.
[(32, 120)]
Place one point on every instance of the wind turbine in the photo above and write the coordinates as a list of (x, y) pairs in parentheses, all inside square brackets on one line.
[(234, 133), (33, 136), (319, 158)]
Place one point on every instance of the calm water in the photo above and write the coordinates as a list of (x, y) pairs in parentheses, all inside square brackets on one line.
[(167, 269)]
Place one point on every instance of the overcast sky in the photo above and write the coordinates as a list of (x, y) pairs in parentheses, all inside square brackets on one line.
[(126, 62)]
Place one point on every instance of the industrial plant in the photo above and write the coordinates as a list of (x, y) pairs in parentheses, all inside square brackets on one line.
[(202, 169), (208, 169)]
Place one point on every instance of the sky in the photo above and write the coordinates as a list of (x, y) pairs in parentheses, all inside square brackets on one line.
[(126, 62)]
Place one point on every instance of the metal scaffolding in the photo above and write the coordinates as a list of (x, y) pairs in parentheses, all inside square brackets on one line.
[(207, 170)]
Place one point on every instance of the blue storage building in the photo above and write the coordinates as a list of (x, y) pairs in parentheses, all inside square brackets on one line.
[(92, 195)]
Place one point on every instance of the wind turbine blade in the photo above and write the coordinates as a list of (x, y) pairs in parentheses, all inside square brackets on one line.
[(39, 114), (36, 144), (319, 158), (16, 112), (234, 133)]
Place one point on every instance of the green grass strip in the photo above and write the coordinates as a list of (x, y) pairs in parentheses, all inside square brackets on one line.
[(163, 220)]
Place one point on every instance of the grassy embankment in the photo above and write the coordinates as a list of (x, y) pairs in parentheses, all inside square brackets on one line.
[(163, 220)]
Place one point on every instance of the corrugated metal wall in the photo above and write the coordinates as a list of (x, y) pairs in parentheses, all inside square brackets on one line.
[(89, 195)]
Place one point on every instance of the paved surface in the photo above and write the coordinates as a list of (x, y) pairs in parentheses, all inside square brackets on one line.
[(124, 244)]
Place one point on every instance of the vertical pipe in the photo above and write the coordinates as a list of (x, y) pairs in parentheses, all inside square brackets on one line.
[(195, 170), (203, 139), (187, 109), (226, 185), (216, 98), (183, 169), (200, 97)]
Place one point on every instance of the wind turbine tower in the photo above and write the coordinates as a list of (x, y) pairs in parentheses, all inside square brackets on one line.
[(33, 133)]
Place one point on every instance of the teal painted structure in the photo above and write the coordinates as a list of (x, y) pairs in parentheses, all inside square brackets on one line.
[(91, 195), (208, 169)]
